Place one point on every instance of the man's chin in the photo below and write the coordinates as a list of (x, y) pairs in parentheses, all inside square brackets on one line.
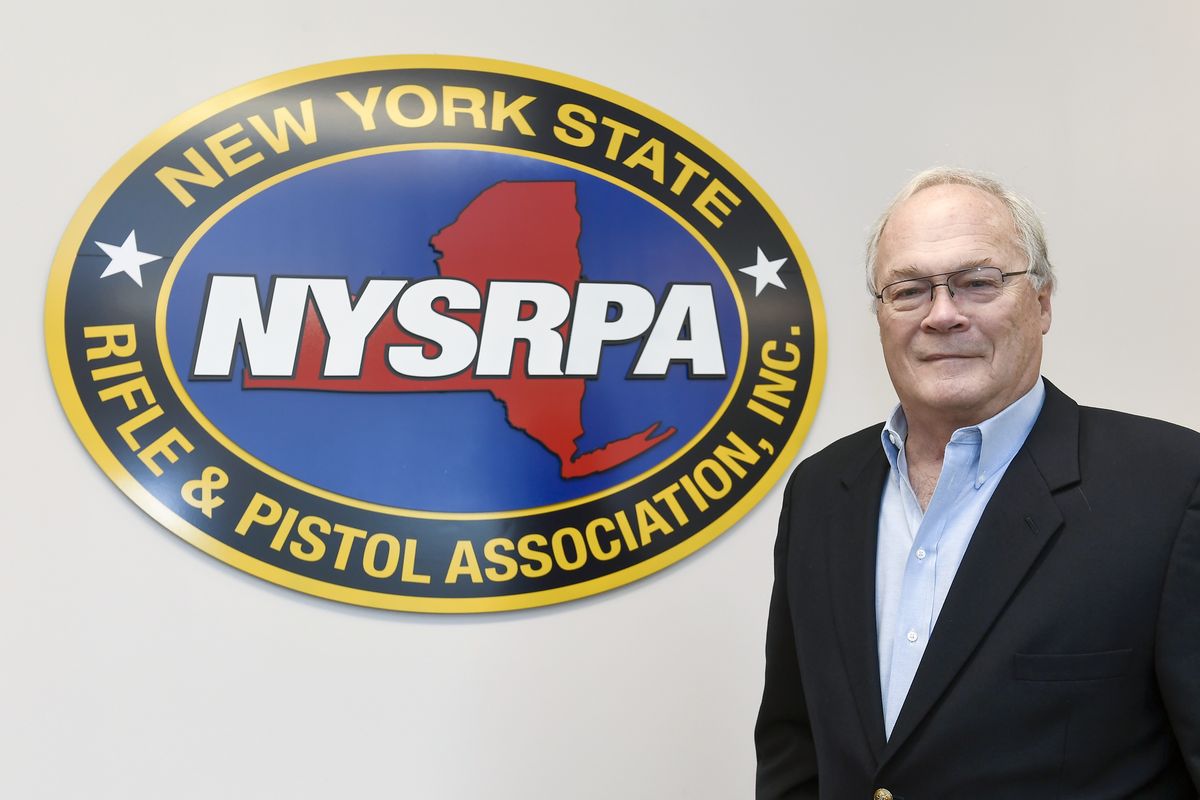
[(955, 396)]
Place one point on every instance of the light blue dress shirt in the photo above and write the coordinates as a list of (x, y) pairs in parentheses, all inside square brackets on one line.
[(919, 551)]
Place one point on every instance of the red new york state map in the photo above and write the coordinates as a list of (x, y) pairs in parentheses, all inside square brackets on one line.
[(520, 231)]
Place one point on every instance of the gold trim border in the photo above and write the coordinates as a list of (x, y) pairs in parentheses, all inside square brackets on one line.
[(56, 346)]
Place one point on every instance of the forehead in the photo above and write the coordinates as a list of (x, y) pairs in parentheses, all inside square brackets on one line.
[(946, 227)]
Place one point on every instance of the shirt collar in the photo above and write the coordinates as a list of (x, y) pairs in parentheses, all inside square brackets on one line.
[(1001, 435), (895, 431)]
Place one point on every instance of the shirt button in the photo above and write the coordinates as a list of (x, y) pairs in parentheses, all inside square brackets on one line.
[(920, 554), (912, 636), (881, 794), (894, 439)]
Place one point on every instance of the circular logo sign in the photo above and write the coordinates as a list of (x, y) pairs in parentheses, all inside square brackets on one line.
[(435, 334)]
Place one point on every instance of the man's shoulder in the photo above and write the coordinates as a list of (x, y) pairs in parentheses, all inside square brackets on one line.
[(1107, 417), (1137, 437), (843, 457), (852, 445)]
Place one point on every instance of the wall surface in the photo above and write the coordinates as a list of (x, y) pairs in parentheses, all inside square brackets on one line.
[(134, 666)]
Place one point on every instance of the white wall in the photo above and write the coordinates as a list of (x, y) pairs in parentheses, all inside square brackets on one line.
[(134, 666)]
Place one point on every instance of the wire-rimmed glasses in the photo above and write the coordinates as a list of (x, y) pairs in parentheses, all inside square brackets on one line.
[(977, 285)]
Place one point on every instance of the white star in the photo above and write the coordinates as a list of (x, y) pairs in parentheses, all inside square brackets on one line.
[(126, 258), (765, 272)]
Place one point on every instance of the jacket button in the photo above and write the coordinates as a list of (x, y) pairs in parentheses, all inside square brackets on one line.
[(882, 794)]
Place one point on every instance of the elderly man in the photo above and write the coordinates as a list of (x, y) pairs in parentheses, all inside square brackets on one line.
[(997, 593)]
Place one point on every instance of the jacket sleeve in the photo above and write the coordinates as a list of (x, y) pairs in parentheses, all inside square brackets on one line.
[(1177, 656), (787, 762)]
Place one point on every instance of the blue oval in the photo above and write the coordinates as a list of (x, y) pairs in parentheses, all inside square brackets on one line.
[(450, 452)]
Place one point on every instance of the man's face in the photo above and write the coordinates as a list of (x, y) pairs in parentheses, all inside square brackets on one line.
[(955, 363)]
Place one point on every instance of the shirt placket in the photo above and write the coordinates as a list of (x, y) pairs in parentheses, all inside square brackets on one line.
[(918, 591)]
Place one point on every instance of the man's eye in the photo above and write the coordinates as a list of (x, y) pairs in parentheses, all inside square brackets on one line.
[(907, 292), (981, 283)]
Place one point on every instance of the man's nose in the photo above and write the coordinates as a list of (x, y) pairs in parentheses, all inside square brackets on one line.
[(944, 313)]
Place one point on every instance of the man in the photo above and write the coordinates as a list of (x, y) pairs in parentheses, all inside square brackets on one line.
[(997, 595)]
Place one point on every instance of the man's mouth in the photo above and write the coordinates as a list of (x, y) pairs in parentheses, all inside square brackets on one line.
[(946, 356)]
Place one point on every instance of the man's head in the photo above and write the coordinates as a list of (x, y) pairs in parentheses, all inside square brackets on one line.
[(959, 360)]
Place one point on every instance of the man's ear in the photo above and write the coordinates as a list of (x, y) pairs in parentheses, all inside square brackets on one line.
[(1043, 298)]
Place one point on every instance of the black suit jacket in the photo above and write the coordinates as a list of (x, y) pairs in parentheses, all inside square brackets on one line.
[(1065, 662)]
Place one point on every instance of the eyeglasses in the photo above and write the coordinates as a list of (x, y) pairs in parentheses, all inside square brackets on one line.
[(976, 285)]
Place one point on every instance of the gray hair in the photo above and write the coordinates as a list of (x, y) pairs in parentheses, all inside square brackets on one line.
[(1030, 234)]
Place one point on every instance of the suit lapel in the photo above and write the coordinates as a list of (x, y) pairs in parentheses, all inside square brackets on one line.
[(854, 528), (1018, 523)]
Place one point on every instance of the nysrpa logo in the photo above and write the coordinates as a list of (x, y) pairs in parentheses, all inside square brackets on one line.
[(435, 334)]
